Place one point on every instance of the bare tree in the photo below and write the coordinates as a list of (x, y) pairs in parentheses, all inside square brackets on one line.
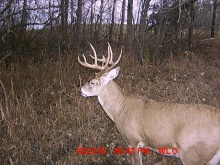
[(66, 12), (191, 12), (112, 21), (62, 12), (171, 23), (120, 39), (64, 22), (99, 21), (142, 29), (130, 33), (72, 4), (213, 18), (79, 21), (24, 19), (6, 8), (91, 19)]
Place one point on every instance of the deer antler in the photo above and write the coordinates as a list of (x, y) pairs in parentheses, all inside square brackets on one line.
[(111, 57), (95, 65), (105, 62)]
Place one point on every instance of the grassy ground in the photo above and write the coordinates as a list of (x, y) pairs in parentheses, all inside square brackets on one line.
[(47, 119)]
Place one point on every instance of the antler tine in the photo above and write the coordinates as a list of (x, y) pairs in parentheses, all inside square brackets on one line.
[(119, 57), (111, 57), (95, 65), (86, 64), (110, 53), (103, 60), (95, 58), (98, 59)]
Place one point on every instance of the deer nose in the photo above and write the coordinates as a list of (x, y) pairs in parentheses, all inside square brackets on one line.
[(83, 93)]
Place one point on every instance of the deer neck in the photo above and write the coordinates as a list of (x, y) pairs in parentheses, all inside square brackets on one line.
[(111, 99)]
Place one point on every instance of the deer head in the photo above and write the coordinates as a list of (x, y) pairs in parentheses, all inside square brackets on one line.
[(106, 74)]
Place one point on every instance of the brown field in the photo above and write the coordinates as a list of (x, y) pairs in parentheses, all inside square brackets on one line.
[(47, 118)]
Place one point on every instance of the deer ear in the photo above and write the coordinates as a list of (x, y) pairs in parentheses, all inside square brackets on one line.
[(112, 74)]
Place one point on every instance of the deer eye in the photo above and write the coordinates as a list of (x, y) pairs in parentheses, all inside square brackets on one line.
[(92, 82)]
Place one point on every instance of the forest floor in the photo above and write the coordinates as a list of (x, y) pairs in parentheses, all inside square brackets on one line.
[(47, 119)]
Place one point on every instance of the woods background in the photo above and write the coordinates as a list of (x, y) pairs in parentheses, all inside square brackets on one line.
[(158, 26)]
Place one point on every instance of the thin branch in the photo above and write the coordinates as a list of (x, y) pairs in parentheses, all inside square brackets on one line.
[(5, 97)]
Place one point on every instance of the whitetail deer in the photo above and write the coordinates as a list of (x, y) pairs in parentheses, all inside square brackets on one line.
[(192, 129)]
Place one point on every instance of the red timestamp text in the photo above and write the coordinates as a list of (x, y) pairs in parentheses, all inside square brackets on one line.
[(90, 151), (120, 150)]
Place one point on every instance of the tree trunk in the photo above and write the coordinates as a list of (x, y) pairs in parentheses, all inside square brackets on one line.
[(120, 39), (79, 21), (66, 12), (142, 36), (112, 22), (23, 27), (24, 18), (64, 17), (213, 18), (72, 12), (191, 21), (91, 21), (99, 19), (62, 13), (129, 23)]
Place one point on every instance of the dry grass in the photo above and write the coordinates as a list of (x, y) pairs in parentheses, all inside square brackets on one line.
[(48, 119)]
